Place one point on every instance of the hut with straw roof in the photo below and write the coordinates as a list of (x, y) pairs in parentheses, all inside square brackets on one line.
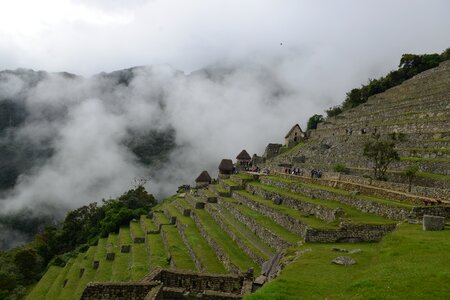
[(203, 179), (225, 168), (243, 161)]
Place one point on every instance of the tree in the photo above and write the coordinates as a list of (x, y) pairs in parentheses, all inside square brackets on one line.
[(313, 121), (382, 154), (410, 173)]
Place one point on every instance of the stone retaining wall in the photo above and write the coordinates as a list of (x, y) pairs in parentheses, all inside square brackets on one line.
[(257, 259), (284, 220), (384, 210), (442, 211), (349, 233), (116, 290), (321, 212), (264, 234), (220, 253)]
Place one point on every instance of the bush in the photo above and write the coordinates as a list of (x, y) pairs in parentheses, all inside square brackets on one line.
[(340, 168)]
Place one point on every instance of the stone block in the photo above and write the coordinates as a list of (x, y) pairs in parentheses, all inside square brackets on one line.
[(200, 205), (344, 261), (95, 264), (433, 223), (125, 249)]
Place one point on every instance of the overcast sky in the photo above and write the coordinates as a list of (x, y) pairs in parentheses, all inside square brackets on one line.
[(360, 38), (289, 60)]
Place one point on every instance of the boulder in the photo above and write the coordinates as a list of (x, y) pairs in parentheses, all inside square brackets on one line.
[(344, 261), (431, 223)]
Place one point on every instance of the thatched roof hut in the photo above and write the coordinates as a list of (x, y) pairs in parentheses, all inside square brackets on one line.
[(203, 177), (226, 166), (243, 155)]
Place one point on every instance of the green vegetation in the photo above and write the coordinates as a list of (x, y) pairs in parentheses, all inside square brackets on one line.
[(140, 262), (410, 65), (341, 168), (382, 154), (421, 159), (410, 173), (313, 121), (389, 269)]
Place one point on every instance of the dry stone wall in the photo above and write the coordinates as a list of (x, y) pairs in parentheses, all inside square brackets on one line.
[(321, 212), (266, 235), (384, 210), (259, 260), (116, 290), (349, 233)]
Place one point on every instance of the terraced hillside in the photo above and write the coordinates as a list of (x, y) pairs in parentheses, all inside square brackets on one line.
[(282, 231), (417, 112)]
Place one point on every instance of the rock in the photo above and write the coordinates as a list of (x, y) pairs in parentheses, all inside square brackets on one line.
[(354, 251), (344, 261), (277, 200), (339, 249), (268, 267), (431, 223), (355, 192), (260, 280)]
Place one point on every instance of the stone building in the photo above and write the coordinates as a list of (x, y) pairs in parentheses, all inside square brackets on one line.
[(294, 136), (243, 161), (203, 179), (272, 150), (225, 168)]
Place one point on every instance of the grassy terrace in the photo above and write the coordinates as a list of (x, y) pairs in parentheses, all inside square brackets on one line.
[(244, 176), (295, 214), (428, 150), (136, 229), (209, 193), (237, 256), (105, 267), (422, 159), (140, 262), (158, 254), (371, 198), (56, 287), (177, 248), (219, 188), (72, 278), (253, 242), (124, 236), (148, 223), (43, 286), (89, 272), (353, 214), (229, 182), (384, 270), (266, 222), (201, 248)]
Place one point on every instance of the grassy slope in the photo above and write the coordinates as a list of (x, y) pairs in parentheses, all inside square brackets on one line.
[(46, 282), (408, 264)]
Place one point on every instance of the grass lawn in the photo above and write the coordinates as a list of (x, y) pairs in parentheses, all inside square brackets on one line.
[(266, 222), (236, 255), (352, 213), (41, 289), (105, 268), (148, 223), (199, 245), (72, 278), (407, 264), (178, 249), (121, 270), (140, 262), (124, 236), (422, 159), (89, 272), (136, 230), (57, 285), (158, 254)]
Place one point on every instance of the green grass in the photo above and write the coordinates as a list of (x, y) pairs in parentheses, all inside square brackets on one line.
[(422, 159), (72, 278), (43, 286), (295, 214), (105, 268), (178, 249), (135, 228), (237, 256), (229, 182), (201, 248), (343, 192), (148, 223), (57, 285), (89, 272), (158, 254), (292, 150), (428, 150), (209, 193), (252, 240), (407, 264), (124, 236), (140, 262), (433, 176), (352, 213), (266, 222), (161, 218), (244, 176), (220, 189)]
